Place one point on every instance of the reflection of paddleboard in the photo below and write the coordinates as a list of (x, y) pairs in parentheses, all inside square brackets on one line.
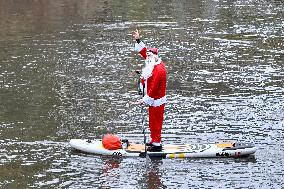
[(169, 151)]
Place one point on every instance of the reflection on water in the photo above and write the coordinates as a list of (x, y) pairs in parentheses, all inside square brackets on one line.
[(66, 71)]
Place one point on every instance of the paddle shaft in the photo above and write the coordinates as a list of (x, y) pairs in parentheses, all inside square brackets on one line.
[(142, 109), (143, 124), (143, 121)]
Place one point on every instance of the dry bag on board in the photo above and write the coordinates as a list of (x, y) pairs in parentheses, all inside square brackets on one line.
[(111, 142)]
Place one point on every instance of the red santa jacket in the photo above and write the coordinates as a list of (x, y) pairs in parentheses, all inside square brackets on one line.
[(156, 84)]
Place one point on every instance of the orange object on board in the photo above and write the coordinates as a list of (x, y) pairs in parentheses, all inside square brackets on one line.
[(111, 142)]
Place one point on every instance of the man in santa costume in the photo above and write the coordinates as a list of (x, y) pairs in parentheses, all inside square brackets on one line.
[(153, 82)]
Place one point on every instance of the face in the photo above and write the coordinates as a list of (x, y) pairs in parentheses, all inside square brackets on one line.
[(149, 54)]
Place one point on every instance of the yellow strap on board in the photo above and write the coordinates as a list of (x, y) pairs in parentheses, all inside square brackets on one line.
[(182, 155)]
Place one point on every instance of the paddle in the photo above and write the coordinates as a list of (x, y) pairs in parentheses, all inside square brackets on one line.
[(143, 129), (142, 93), (145, 155)]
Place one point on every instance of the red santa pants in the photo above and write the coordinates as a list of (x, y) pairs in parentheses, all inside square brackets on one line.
[(156, 117)]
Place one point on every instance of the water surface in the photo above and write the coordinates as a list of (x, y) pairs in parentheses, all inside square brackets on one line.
[(67, 71)]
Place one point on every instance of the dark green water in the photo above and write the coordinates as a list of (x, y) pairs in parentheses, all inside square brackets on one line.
[(66, 71)]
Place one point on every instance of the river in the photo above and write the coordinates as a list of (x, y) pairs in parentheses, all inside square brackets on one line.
[(67, 71)]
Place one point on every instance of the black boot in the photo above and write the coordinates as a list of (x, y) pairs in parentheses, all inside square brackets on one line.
[(154, 148), (149, 144)]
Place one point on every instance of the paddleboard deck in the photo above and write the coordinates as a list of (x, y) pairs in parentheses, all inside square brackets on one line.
[(210, 150)]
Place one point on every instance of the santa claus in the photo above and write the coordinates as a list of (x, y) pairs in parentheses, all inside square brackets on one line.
[(153, 84)]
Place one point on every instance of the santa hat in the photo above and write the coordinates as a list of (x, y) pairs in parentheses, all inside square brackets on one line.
[(153, 50)]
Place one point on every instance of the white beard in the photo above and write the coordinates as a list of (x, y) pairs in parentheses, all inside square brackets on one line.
[(148, 69)]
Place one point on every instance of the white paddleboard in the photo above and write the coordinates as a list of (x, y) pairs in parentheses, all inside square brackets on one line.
[(210, 150)]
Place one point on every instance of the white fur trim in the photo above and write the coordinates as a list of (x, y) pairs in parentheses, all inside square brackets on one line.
[(152, 102), (139, 46), (148, 100), (160, 101), (156, 143)]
